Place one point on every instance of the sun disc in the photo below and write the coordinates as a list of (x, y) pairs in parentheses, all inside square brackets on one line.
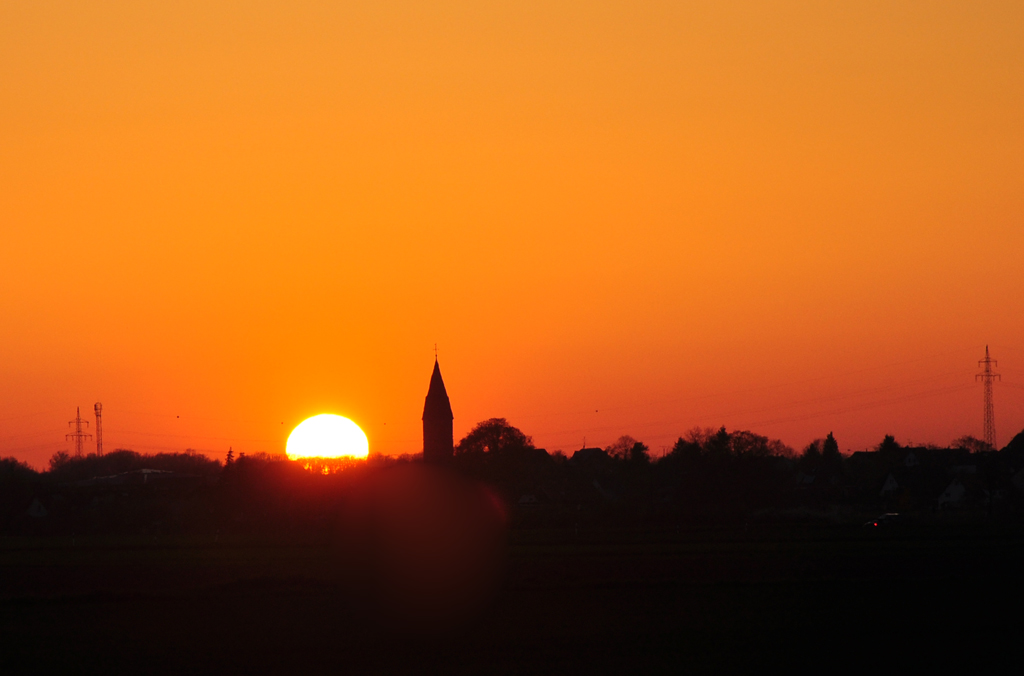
[(327, 436)]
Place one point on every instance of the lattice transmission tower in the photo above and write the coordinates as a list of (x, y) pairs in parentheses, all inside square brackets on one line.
[(78, 436), (987, 377)]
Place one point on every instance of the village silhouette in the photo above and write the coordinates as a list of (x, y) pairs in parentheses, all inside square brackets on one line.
[(490, 554)]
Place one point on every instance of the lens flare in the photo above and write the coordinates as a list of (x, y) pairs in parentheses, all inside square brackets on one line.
[(327, 436)]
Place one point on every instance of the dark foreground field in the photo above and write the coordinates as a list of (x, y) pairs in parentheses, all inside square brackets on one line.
[(715, 600)]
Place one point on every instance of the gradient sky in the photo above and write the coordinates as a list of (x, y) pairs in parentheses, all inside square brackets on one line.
[(220, 218)]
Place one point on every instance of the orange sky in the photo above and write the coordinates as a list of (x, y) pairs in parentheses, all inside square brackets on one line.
[(613, 218)]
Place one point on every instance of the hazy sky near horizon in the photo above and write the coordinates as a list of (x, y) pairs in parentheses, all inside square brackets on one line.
[(220, 218)]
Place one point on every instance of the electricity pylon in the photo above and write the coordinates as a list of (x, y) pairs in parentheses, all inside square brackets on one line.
[(78, 436), (987, 377)]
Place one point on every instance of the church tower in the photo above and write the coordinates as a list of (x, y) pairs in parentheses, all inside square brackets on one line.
[(438, 438)]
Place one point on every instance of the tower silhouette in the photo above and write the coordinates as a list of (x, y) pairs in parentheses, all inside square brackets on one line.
[(438, 438), (79, 435), (98, 408), (987, 376)]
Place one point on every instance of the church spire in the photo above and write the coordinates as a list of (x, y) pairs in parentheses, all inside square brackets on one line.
[(438, 436)]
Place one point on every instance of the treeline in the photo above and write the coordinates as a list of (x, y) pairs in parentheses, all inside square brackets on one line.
[(709, 470), (66, 468), (720, 474), (708, 475)]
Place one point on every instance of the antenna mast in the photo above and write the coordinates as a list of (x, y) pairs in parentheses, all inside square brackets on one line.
[(987, 377), (99, 427), (78, 436)]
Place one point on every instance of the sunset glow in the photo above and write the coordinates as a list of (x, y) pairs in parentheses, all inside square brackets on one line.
[(680, 331), (327, 436), (611, 218)]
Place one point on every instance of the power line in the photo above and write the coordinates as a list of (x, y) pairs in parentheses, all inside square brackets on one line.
[(761, 409), (868, 405)]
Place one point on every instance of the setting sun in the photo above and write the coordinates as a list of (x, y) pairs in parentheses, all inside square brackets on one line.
[(327, 436)]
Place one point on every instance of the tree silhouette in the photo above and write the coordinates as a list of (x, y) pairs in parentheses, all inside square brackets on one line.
[(493, 436), (503, 456), (889, 446), (810, 459), (830, 448), (822, 459), (628, 448), (59, 459), (971, 445)]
